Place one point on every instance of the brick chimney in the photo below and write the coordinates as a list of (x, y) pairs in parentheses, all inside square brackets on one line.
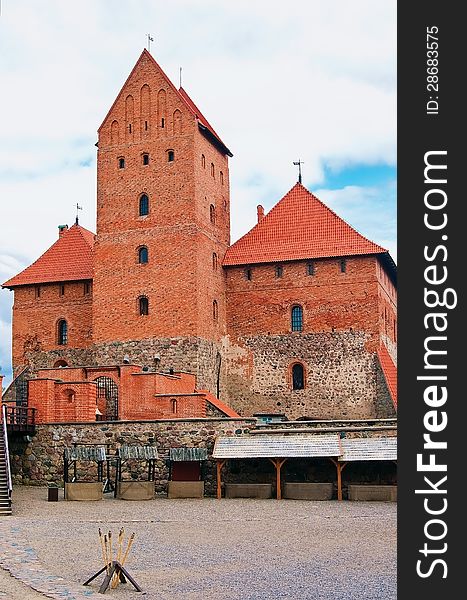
[(260, 212), (61, 230)]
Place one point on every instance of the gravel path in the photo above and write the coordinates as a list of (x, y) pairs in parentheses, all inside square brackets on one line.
[(206, 549)]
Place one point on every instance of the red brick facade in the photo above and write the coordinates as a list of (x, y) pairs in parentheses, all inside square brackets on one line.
[(169, 291)]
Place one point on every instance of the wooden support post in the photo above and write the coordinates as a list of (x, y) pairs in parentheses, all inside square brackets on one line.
[(277, 462), (219, 465), (339, 467)]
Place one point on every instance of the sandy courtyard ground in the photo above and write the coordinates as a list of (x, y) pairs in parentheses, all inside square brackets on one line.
[(205, 549)]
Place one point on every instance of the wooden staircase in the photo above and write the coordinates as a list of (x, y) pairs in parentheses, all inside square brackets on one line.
[(5, 475)]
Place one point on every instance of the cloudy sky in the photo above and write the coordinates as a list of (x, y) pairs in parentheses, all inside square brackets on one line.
[(309, 79)]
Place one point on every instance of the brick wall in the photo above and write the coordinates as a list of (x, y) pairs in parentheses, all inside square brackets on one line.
[(36, 312)]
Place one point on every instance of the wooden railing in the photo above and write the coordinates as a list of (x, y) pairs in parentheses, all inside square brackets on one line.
[(19, 418)]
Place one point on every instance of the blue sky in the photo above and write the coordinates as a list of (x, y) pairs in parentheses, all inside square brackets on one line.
[(315, 80)]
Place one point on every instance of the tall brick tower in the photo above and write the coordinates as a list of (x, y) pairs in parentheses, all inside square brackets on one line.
[(163, 228)]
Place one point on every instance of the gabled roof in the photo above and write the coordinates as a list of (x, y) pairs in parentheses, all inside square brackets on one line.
[(182, 94), (389, 372), (299, 227), (68, 259)]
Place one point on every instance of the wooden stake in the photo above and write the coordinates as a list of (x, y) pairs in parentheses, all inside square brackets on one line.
[(130, 542), (116, 577), (101, 539)]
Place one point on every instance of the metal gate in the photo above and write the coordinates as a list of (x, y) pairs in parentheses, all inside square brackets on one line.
[(108, 389)]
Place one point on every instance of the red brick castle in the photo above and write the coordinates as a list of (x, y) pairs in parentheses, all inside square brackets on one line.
[(297, 317)]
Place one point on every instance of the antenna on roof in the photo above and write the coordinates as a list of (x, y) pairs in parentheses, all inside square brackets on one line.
[(78, 207), (150, 39), (180, 77), (298, 163)]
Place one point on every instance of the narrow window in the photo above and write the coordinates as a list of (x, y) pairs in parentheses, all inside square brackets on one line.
[(215, 311), (129, 128), (145, 159), (87, 288), (145, 125), (144, 205), (214, 261), (143, 256), (298, 377), (212, 169), (121, 163), (62, 289), (248, 274), (162, 122), (221, 177), (170, 155), (38, 291), (212, 214), (343, 265), (310, 268), (62, 328), (143, 305), (297, 318), (279, 271), (174, 405), (203, 161)]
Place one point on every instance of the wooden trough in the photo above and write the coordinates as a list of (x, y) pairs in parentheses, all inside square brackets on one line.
[(308, 491)]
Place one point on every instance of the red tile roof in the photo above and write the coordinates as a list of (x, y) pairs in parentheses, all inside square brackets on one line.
[(298, 227), (229, 412), (68, 259), (389, 372)]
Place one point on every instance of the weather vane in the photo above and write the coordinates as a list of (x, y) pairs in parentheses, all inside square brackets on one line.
[(78, 207), (150, 39), (298, 163)]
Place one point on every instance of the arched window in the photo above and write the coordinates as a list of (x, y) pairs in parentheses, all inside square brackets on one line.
[(298, 377), (144, 205), (143, 305), (212, 214), (121, 163), (60, 363), (297, 318), (143, 256), (221, 177), (170, 155), (214, 261), (212, 169), (173, 403), (145, 159), (215, 311), (203, 161), (62, 330)]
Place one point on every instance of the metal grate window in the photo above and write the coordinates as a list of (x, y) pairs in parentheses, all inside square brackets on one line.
[(297, 318), (143, 306), (279, 271), (143, 255), (144, 205)]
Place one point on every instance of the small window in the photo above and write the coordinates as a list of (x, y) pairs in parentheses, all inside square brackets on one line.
[(215, 311), (62, 330), (279, 271), (214, 261), (121, 163), (37, 291), (143, 256), (298, 377), (297, 318), (143, 303), (144, 205), (212, 169), (310, 268), (203, 161), (145, 159), (221, 177), (170, 155), (129, 128), (145, 125), (62, 289), (212, 214), (162, 122), (87, 288), (248, 274), (173, 403), (343, 265)]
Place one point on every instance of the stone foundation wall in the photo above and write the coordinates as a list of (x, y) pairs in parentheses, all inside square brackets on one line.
[(340, 373), (40, 461)]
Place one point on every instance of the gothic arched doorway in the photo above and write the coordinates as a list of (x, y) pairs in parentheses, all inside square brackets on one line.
[(107, 398)]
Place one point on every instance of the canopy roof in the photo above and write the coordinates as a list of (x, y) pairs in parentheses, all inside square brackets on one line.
[(275, 446), (369, 449)]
